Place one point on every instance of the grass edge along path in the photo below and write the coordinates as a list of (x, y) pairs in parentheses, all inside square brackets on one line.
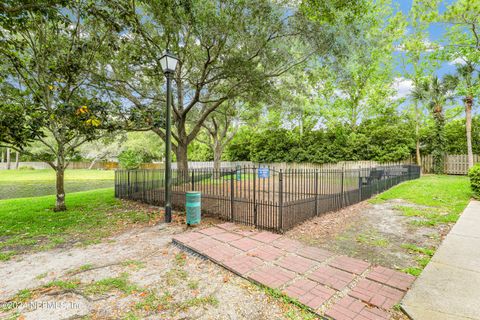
[(443, 198)]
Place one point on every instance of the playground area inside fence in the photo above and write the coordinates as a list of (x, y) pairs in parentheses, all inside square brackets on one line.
[(264, 197)]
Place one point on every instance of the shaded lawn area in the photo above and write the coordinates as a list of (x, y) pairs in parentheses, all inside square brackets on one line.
[(33, 183), (30, 223)]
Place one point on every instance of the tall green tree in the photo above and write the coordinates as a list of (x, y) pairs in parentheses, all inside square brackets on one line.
[(362, 79), (225, 49), (467, 82), (435, 94), (418, 59)]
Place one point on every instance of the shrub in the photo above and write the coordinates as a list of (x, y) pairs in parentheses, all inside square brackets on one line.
[(130, 159), (474, 175)]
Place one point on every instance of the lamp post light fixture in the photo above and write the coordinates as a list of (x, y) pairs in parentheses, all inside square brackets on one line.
[(169, 64)]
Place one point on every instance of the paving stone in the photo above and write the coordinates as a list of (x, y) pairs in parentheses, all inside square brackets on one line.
[(272, 276), (296, 263), (250, 254), (349, 308), (230, 226), (267, 253), (349, 264), (188, 237), (222, 252), (246, 233), (227, 236), (309, 293), (332, 277), (211, 231), (313, 253), (392, 278), (376, 294), (246, 244), (243, 264), (266, 237), (204, 244), (287, 244)]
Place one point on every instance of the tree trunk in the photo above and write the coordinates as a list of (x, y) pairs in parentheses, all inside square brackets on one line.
[(17, 159), (8, 159), (439, 143), (217, 158), (417, 135), (60, 185), (182, 161), (468, 126), (417, 153), (3, 155)]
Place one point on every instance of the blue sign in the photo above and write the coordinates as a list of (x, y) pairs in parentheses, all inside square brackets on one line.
[(263, 173)]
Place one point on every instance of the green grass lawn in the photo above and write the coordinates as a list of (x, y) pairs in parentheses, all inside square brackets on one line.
[(30, 223), (33, 183), (447, 193), (49, 175)]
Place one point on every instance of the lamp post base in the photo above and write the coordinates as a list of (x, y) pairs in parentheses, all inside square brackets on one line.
[(168, 214)]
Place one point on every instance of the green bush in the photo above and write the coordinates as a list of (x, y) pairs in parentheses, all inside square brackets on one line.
[(474, 175), (130, 159)]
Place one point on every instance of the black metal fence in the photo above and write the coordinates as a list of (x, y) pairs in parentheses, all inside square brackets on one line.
[(263, 196)]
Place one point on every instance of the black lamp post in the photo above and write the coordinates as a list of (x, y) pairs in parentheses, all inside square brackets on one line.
[(169, 64)]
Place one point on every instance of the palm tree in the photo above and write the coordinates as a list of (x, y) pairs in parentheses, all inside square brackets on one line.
[(466, 84), (435, 93)]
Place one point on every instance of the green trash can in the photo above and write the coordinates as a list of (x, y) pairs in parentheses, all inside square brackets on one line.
[(194, 207)]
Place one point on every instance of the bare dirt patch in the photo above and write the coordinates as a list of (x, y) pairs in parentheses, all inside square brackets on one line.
[(138, 274), (378, 233)]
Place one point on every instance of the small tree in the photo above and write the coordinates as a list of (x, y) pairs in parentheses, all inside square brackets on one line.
[(48, 57)]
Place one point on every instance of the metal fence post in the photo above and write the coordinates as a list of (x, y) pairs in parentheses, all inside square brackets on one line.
[(144, 188), (343, 187), (316, 192), (128, 184), (116, 184), (359, 184), (280, 201), (232, 194), (254, 196)]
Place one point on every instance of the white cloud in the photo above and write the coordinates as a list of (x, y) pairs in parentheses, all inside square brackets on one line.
[(457, 61), (426, 46), (403, 87)]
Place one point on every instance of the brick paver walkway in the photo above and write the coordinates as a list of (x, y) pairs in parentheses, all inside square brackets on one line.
[(334, 286)]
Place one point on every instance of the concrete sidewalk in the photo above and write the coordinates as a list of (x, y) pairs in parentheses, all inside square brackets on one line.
[(449, 287)]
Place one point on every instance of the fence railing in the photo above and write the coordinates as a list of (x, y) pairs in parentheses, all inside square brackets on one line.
[(265, 197)]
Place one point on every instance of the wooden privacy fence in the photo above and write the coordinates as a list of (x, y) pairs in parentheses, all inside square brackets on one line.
[(265, 197), (454, 164)]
